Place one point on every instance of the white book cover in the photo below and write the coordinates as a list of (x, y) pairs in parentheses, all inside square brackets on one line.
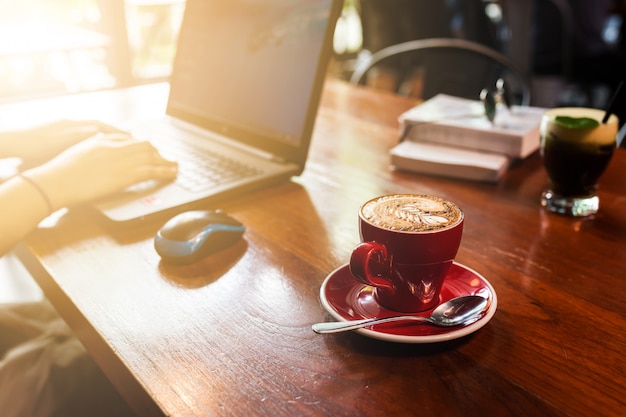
[(428, 158), (460, 122)]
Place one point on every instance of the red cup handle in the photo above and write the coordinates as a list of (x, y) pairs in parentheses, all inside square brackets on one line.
[(368, 256)]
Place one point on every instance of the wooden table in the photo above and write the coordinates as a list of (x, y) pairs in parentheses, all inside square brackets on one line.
[(231, 336)]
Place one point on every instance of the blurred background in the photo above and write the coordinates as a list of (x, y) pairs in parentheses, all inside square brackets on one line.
[(60, 46), (67, 46)]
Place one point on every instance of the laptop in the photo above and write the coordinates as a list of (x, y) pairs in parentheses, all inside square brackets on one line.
[(244, 93)]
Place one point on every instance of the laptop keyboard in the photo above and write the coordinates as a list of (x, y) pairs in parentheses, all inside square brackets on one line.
[(201, 169)]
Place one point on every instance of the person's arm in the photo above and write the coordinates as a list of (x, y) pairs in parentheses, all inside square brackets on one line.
[(22, 207), (96, 167), (38, 144)]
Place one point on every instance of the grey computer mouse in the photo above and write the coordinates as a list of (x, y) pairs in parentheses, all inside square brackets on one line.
[(192, 235)]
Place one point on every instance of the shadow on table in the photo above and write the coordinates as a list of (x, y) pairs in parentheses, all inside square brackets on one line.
[(206, 270)]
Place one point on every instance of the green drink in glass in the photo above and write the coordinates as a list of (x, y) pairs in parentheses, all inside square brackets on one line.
[(576, 148)]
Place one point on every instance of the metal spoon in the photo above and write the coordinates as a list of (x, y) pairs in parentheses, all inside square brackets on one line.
[(451, 313)]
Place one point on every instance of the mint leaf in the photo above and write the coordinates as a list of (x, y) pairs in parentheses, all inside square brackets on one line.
[(576, 122)]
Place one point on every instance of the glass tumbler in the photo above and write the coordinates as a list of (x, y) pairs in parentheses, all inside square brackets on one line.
[(576, 147)]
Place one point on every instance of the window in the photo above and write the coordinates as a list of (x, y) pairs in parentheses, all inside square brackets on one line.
[(152, 32), (60, 46)]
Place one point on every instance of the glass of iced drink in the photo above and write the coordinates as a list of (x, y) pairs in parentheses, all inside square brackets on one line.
[(576, 146)]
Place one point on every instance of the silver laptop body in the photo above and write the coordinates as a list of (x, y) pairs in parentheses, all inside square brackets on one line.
[(244, 93)]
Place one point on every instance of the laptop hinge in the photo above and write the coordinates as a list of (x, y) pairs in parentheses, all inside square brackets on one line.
[(228, 142)]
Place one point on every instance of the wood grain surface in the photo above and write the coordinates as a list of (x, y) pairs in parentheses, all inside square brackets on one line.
[(230, 335)]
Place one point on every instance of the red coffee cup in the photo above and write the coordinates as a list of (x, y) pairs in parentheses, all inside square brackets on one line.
[(408, 243)]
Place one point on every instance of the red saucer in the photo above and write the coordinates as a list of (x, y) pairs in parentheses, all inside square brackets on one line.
[(345, 298)]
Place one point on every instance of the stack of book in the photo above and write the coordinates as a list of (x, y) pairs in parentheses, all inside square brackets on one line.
[(451, 136)]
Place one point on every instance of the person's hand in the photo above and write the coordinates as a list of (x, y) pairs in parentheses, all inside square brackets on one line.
[(101, 165), (39, 144)]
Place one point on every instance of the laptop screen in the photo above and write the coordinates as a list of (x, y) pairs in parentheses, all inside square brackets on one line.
[(252, 70)]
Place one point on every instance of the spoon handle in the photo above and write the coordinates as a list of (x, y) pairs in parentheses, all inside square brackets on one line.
[(342, 326)]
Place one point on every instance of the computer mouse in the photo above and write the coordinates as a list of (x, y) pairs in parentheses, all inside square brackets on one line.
[(192, 235)]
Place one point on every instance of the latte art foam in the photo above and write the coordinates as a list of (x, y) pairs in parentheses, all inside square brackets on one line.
[(411, 213)]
